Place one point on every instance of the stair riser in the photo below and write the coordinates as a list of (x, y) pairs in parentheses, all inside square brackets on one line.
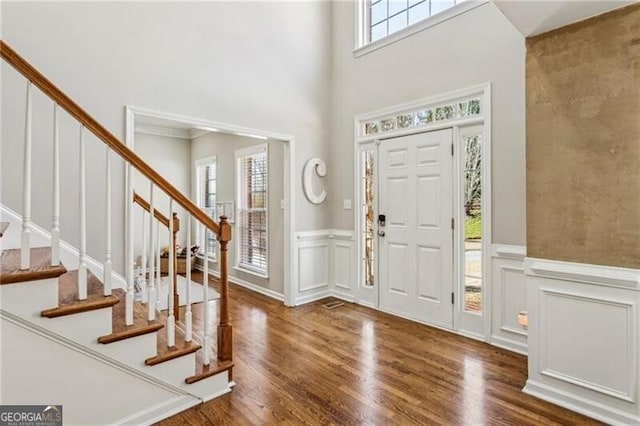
[(209, 388), (81, 327), (130, 351), (175, 370), (27, 299)]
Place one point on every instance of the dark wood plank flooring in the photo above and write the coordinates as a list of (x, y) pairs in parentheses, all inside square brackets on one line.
[(354, 365)]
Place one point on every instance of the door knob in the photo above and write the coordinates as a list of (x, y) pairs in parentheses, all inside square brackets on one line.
[(381, 234)]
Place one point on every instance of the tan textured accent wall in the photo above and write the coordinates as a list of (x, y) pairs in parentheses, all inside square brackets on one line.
[(583, 141)]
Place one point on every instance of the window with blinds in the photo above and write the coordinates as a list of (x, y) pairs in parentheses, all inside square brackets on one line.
[(207, 188), (251, 222)]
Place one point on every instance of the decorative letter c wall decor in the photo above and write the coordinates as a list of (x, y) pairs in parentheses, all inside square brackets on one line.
[(320, 168)]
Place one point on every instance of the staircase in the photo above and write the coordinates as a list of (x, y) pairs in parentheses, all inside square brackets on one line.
[(60, 317)]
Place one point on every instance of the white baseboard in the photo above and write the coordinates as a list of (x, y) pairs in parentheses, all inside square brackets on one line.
[(580, 405), (68, 254), (246, 284), (347, 297), (160, 412), (302, 300), (509, 344)]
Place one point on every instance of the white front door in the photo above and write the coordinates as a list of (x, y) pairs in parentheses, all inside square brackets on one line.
[(416, 240)]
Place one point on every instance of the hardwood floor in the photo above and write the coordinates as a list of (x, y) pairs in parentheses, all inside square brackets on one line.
[(354, 365)]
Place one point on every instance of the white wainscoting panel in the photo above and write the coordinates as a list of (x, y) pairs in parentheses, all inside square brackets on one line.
[(314, 266), (311, 260), (509, 294), (343, 268), (324, 262), (583, 338)]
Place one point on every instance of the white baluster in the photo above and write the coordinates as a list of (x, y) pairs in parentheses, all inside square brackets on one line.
[(82, 265), (151, 306), (107, 252), (188, 318), (158, 260), (143, 258), (206, 344), (25, 242), (130, 294), (171, 320), (55, 226)]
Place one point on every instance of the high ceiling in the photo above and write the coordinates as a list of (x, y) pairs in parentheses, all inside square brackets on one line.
[(536, 17)]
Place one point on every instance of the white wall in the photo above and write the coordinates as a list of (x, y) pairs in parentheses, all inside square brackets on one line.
[(223, 146), (477, 47), (263, 65), (171, 157)]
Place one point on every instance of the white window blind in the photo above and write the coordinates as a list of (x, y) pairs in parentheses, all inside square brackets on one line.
[(251, 222), (207, 198)]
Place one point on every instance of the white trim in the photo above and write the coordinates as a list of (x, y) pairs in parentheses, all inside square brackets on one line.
[(303, 300), (573, 402), (67, 251), (258, 289), (347, 297), (321, 234), (509, 251), (160, 411), (246, 269), (290, 276), (246, 284), (362, 26), (508, 344), (169, 132), (584, 273)]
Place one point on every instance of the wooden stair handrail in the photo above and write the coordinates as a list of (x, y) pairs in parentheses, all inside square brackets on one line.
[(223, 229), (83, 117), (156, 213)]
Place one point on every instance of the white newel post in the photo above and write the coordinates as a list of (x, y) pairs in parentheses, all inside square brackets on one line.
[(188, 317), (107, 205), (55, 225), (25, 240), (82, 264), (151, 305), (171, 320)]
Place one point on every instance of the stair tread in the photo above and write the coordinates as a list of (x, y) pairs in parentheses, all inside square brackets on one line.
[(169, 353), (68, 302), (203, 372), (40, 269), (3, 227), (141, 325), (166, 353)]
